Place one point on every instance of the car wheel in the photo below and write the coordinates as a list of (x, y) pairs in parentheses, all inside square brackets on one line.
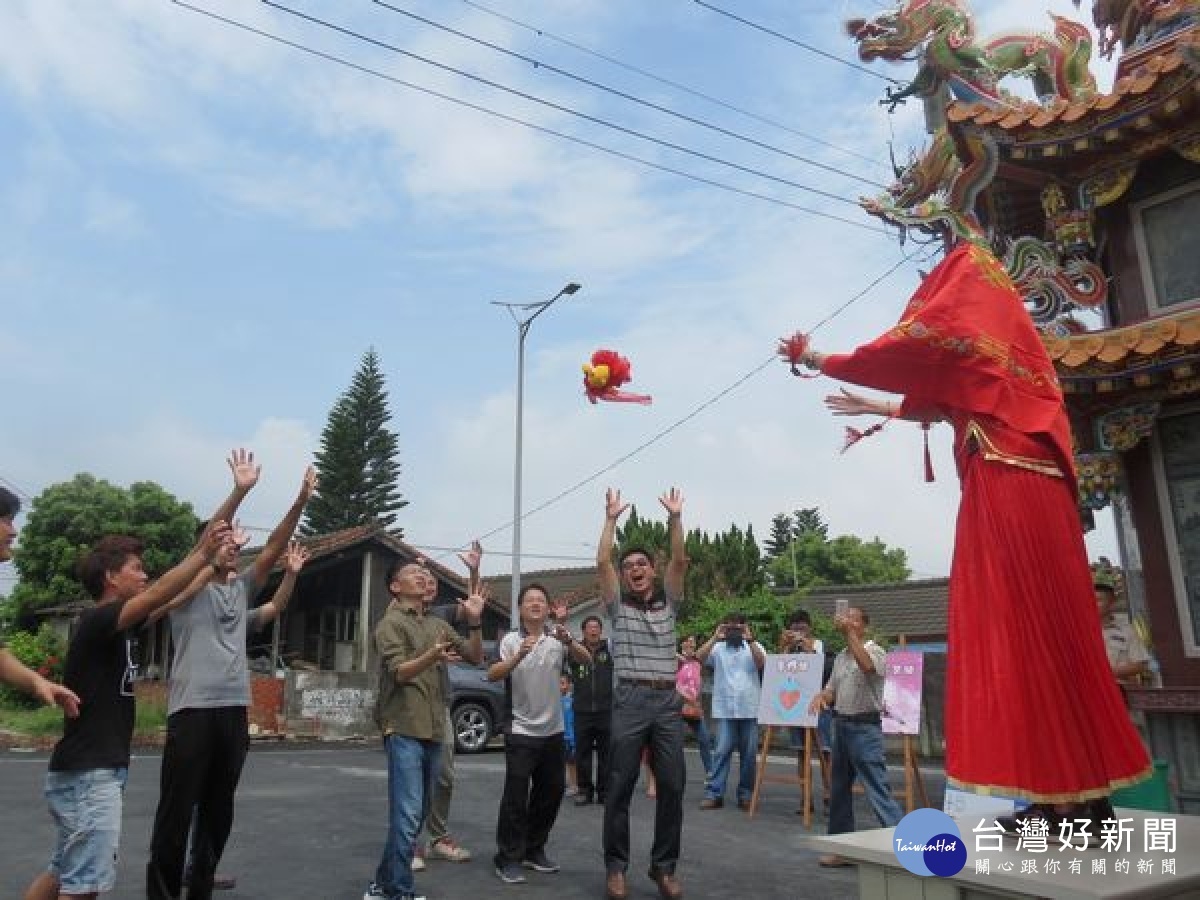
[(472, 728)]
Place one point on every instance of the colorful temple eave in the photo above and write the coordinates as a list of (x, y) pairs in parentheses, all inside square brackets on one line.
[(1147, 354), (1162, 95)]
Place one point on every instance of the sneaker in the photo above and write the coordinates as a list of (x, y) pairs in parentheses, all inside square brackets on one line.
[(571, 791), (540, 862), (418, 860), (509, 873), (450, 850), (373, 893)]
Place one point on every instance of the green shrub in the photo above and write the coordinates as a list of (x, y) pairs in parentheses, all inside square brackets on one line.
[(43, 652)]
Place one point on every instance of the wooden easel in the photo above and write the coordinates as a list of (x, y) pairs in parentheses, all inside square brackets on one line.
[(803, 777), (914, 782)]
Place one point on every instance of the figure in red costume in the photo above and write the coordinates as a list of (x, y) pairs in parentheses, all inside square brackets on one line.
[(1031, 707)]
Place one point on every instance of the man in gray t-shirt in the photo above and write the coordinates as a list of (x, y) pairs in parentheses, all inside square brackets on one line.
[(207, 736), (646, 707)]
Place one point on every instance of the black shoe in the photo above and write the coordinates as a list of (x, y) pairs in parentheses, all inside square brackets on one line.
[(540, 862), (1100, 809)]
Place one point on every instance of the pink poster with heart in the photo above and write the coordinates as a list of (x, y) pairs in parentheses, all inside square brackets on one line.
[(902, 692), (790, 681)]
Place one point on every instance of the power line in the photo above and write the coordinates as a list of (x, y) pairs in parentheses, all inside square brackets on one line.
[(791, 40), (515, 120), (524, 95), (645, 73), (654, 439), (16, 488), (625, 95)]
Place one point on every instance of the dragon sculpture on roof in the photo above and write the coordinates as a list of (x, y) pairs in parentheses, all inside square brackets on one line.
[(937, 191)]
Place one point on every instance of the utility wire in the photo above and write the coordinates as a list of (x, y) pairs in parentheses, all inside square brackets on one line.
[(645, 73), (515, 120), (625, 95), (596, 120), (791, 40), (654, 439)]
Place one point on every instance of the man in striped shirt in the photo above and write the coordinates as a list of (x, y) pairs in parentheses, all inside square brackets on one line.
[(646, 707)]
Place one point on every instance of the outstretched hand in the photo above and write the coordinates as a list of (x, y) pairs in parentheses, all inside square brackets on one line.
[(295, 557), (245, 471), (847, 403), (558, 609), (215, 536), (308, 486), (240, 535), (57, 695), (613, 507), (473, 605), (472, 556), (672, 502)]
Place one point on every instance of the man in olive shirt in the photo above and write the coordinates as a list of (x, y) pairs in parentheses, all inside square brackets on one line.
[(411, 710)]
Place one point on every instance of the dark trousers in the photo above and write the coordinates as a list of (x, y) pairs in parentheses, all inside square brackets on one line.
[(535, 776), (592, 732), (645, 717), (858, 753), (202, 762)]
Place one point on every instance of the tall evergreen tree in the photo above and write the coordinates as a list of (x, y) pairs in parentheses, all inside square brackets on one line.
[(357, 461), (809, 521), (781, 534)]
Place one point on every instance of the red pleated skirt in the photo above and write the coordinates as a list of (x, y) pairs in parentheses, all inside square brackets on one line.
[(1032, 709)]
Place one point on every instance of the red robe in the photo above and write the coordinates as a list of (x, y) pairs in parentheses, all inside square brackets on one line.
[(1032, 708)]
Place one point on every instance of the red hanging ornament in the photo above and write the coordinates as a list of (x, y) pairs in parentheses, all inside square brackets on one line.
[(603, 376), (793, 349)]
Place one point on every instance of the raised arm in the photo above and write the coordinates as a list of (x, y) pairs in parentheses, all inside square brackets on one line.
[(278, 541), (293, 562), (181, 599), (471, 558), (175, 580), (677, 564), (610, 583), (703, 651)]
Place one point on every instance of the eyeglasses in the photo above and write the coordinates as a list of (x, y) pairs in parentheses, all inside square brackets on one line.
[(635, 564)]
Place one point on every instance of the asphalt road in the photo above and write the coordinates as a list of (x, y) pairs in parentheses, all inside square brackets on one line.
[(311, 823)]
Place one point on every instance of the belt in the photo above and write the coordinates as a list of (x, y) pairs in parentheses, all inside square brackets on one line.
[(659, 684), (864, 718)]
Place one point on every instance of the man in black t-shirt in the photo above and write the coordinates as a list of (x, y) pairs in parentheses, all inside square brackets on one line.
[(88, 768)]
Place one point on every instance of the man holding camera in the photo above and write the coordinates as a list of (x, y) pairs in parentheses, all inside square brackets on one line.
[(737, 662), (855, 694)]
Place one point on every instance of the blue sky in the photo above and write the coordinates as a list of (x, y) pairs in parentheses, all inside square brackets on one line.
[(202, 231)]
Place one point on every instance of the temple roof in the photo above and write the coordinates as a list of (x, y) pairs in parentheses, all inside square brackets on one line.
[(1137, 355), (1162, 94)]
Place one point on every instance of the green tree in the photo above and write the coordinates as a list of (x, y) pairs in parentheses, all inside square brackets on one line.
[(781, 535), (357, 460), (68, 518), (841, 560), (809, 521)]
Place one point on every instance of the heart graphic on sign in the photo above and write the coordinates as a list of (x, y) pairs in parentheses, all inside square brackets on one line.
[(789, 698)]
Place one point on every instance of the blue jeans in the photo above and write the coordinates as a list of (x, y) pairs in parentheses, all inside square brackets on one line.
[(858, 751), (413, 767), (740, 735), (704, 742), (86, 807)]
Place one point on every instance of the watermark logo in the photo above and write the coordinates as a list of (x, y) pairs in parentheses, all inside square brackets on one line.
[(927, 842)]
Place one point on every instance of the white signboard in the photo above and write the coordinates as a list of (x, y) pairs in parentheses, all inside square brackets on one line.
[(790, 681)]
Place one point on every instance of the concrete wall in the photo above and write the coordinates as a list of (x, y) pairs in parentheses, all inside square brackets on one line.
[(330, 704)]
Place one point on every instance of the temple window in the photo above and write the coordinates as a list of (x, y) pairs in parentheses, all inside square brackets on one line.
[(1179, 439), (1168, 244)]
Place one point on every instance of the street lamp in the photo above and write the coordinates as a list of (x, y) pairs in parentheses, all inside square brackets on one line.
[(523, 314)]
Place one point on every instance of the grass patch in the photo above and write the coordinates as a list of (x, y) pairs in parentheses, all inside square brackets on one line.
[(48, 720), (45, 720)]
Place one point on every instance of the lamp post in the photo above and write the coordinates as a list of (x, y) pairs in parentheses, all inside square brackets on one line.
[(523, 314)]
